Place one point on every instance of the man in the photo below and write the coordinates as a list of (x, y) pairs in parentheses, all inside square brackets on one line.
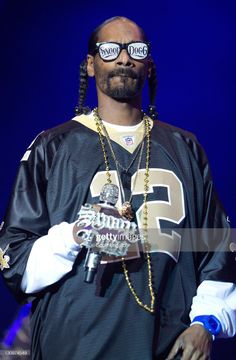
[(140, 306)]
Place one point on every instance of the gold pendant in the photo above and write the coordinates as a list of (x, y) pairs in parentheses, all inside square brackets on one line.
[(127, 211)]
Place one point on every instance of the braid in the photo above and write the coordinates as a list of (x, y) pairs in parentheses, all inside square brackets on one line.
[(80, 108), (152, 82)]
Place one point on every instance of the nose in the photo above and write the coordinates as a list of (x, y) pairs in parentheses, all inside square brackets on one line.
[(124, 59)]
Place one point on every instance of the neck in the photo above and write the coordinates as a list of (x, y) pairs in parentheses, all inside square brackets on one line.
[(119, 113)]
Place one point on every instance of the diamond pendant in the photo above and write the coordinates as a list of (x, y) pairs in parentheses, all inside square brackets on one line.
[(126, 210)]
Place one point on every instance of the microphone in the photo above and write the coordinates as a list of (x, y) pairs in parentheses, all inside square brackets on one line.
[(108, 198), (91, 264)]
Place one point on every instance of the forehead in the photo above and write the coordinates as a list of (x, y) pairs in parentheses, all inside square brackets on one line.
[(120, 31)]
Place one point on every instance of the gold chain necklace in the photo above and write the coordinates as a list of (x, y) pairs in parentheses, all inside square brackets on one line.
[(126, 208), (112, 150), (150, 307)]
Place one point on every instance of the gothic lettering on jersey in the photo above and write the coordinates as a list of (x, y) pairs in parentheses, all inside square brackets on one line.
[(171, 210)]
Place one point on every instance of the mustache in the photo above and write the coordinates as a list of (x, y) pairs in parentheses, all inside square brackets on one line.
[(122, 72)]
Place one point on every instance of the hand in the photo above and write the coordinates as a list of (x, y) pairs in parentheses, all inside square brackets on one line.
[(195, 343)]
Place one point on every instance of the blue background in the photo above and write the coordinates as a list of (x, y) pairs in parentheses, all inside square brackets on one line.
[(193, 45)]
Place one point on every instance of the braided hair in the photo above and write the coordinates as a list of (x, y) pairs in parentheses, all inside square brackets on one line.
[(83, 87), (152, 85), (83, 77)]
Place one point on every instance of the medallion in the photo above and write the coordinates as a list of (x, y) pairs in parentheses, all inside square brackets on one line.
[(126, 210)]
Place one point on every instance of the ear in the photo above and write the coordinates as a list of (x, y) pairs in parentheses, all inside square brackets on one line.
[(90, 65)]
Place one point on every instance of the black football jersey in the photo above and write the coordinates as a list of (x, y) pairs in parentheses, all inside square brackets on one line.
[(63, 169)]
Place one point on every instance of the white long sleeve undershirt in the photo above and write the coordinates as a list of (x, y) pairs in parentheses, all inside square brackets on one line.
[(52, 256), (219, 299)]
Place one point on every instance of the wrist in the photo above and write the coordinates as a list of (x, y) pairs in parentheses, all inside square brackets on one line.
[(210, 323)]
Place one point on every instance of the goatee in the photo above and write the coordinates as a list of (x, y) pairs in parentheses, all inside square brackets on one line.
[(129, 87)]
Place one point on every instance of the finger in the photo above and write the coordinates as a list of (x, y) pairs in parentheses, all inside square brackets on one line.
[(204, 357), (192, 353), (188, 353), (198, 356), (174, 351)]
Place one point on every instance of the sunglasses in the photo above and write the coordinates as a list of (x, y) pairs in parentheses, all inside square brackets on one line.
[(109, 51)]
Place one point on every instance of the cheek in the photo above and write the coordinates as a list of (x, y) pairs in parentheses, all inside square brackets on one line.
[(99, 72), (101, 77), (101, 67), (142, 74), (144, 70)]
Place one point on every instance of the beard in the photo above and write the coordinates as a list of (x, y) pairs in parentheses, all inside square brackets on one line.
[(122, 84)]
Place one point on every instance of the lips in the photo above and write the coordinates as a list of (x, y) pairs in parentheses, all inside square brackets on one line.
[(123, 73)]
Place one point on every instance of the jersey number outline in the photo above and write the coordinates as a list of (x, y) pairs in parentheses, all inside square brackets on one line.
[(171, 210)]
